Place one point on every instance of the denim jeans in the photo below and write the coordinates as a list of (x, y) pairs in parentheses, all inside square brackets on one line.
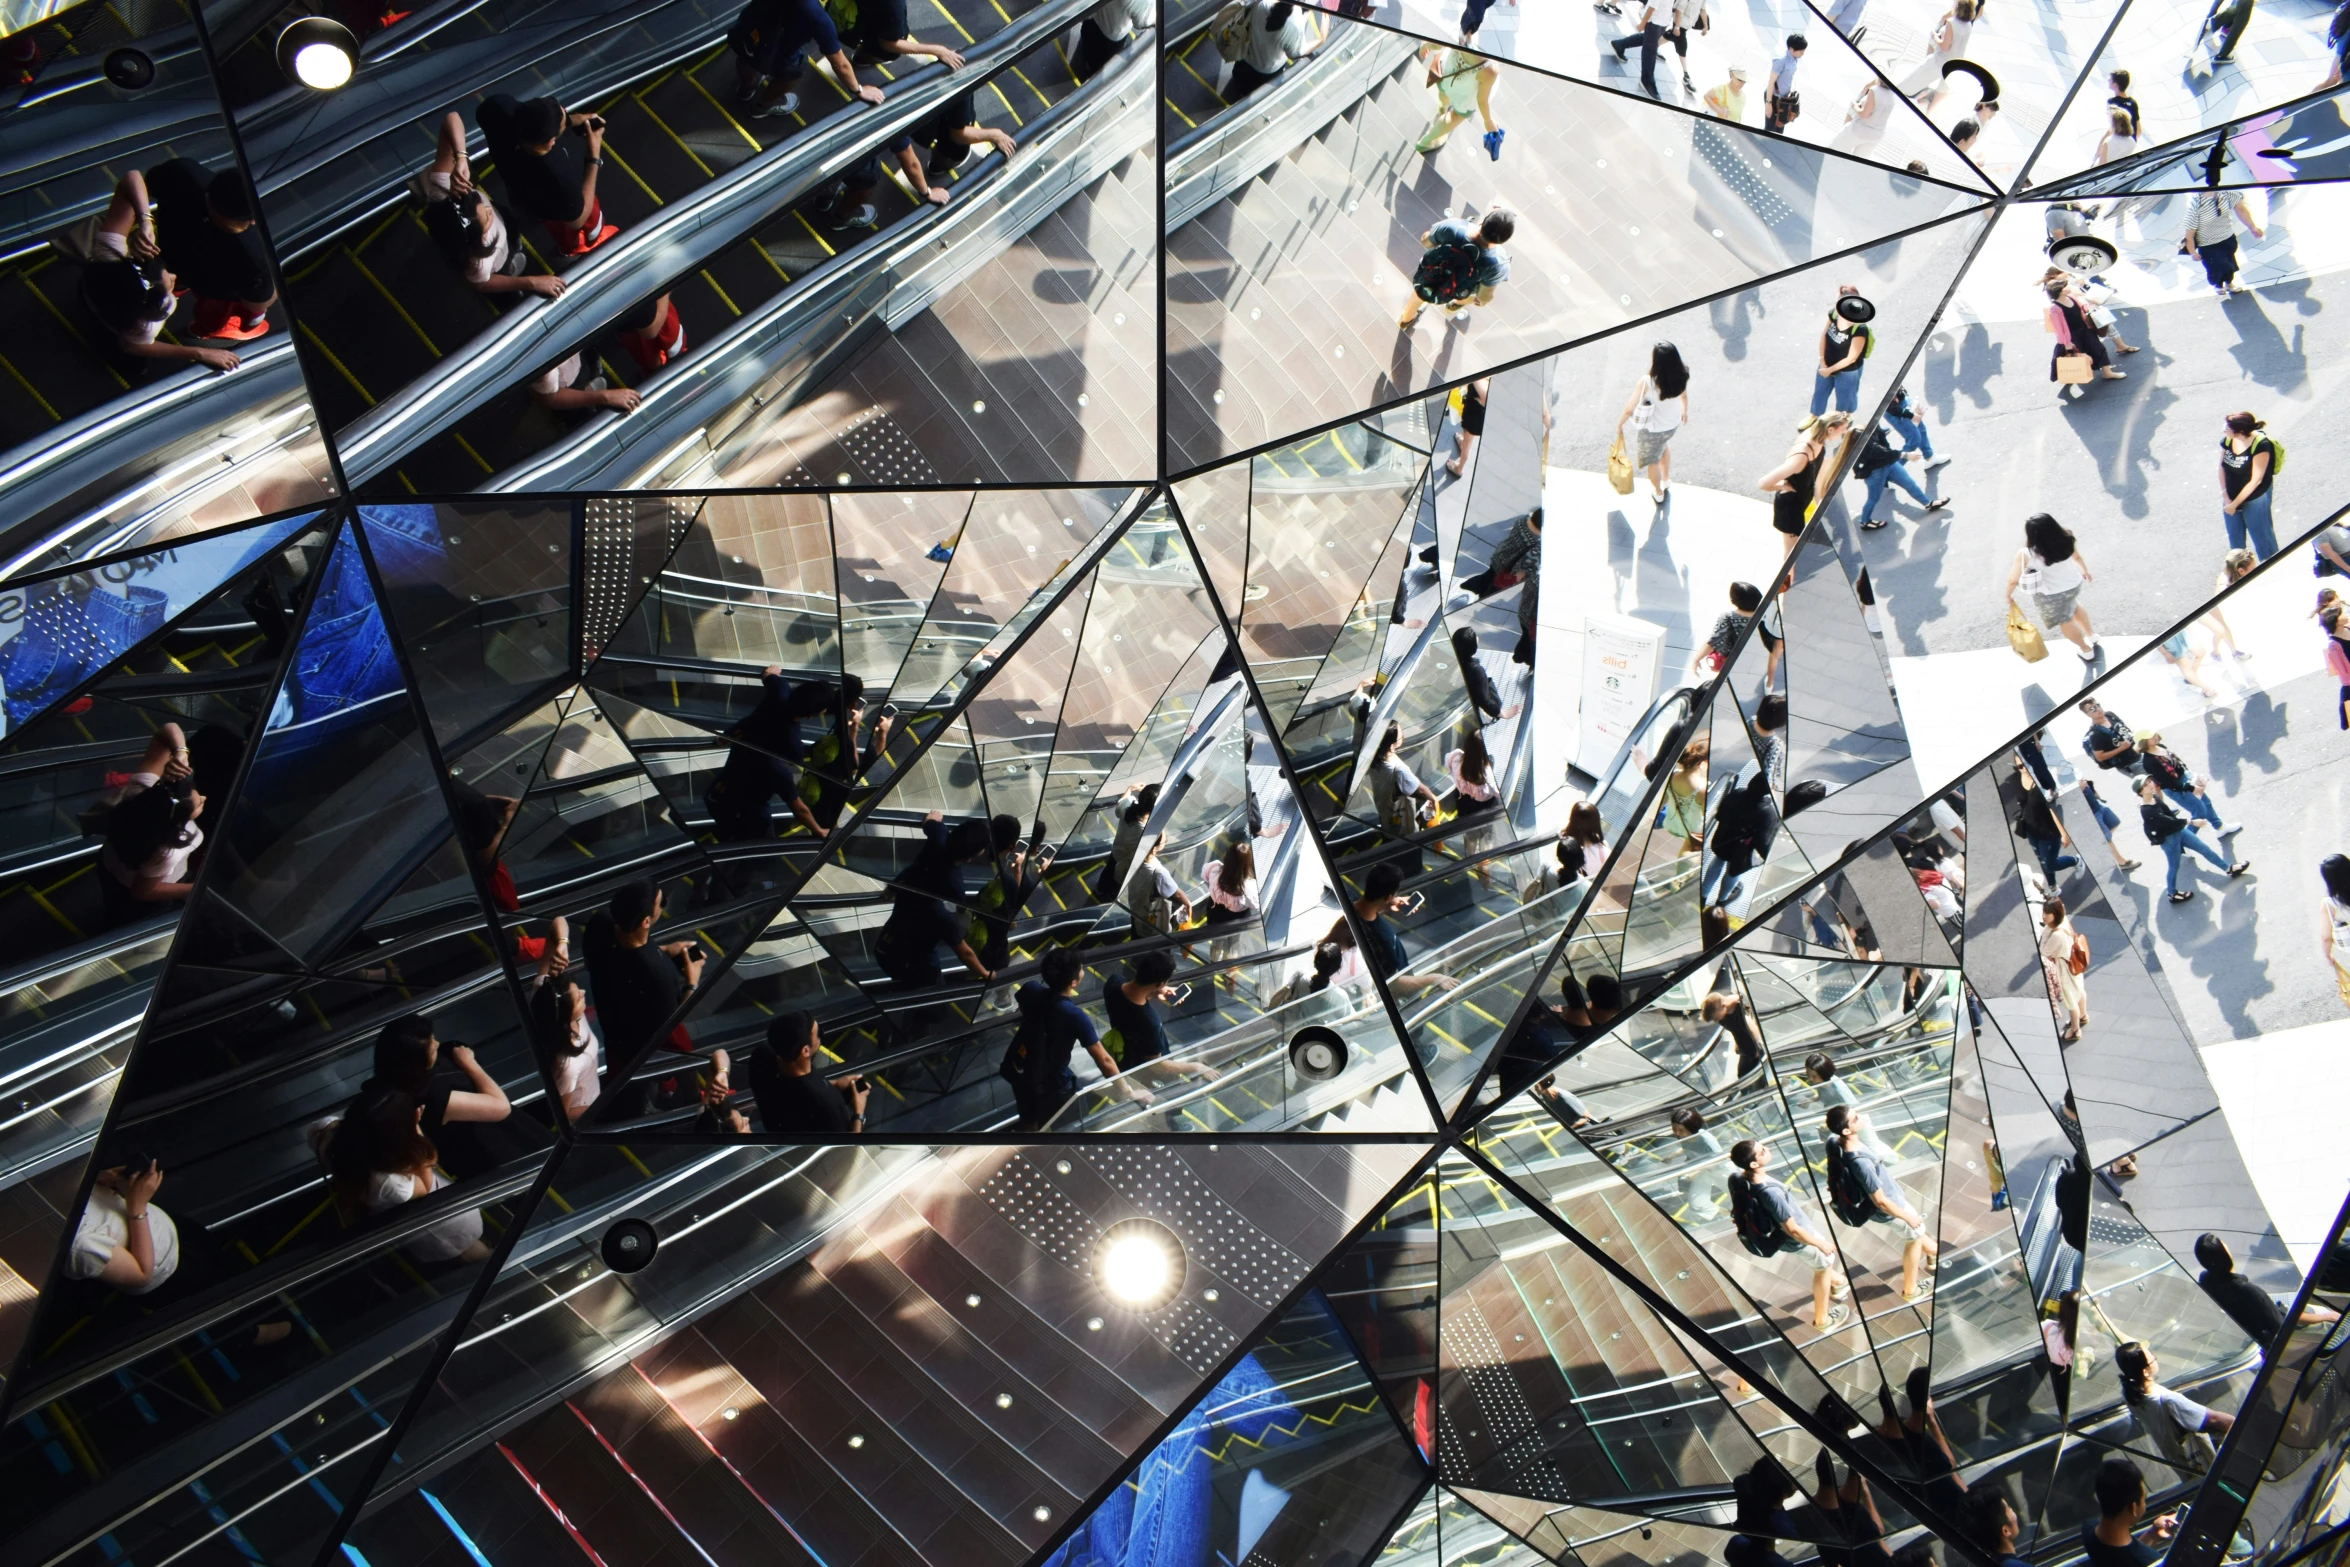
[(2052, 856), (1846, 385), (1913, 435), (2195, 805), (1891, 474), (2174, 849), (2252, 520)]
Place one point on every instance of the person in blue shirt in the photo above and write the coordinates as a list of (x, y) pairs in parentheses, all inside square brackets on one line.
[(1052, 1027), (1383, 948), (1490, 268), (769, 39)]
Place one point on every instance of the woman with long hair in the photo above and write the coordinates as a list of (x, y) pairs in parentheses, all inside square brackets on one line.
[(2234, 567), (2247, 484), (1588, 834), (1403, 804), (380, 1158), (1658, 407), (151, 841), (2336, 625), (2067, 320), (2333, 874), (1684, 806), (2060, 947), (1794, 484), (559, 1009), (1474, 788), (2050, 572), (1232, 898), (2172, 1420)]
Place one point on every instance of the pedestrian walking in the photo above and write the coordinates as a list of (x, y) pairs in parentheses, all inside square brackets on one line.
[(1711, 659), (1472, 424), (2120, 139), (1846, 341), (2223, 29), (2337, 629), (2037, 823), (2064, 958), (2047, 577), (1794, 483), (1655, 17), (2333, 874), (2067, 320), (1782, 104), (1728, 101), (1656, 410), (2179, 785), (2107, 819), (2234, 567), (1464, 87), (1461, 264), (2169, 831), (1947, 42), (1905, 420), (2119, 98), (1879, 465), (2212, 219), (2249, 462)]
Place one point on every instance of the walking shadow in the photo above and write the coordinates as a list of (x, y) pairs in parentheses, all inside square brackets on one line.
[(2261, 351)]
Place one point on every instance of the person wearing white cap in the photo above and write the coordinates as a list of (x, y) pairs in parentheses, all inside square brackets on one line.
[(1728, 101)]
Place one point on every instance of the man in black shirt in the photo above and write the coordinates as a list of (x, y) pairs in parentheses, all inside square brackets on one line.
[(1992, 1520), (637, 985), (2260, 1314), (794, 1100), (881, 36), (2111, 1540), (545, 174), (2111, 743), (204, 227), (1134, 1017), (1383, 948), (945, 138), (770, 38)]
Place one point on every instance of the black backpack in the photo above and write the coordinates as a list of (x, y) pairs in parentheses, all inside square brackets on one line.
[(1764, 1240), (1877, 454), (1846, 1194), (1447, 272), (2167, 771)]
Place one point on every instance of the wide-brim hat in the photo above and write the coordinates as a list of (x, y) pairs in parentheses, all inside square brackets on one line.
[(1856, 310)]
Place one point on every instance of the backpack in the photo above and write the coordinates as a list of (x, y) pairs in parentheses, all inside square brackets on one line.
[(1229, 31), (1877, 454), (1764, 1240), (2167, 771), (1447, 272), (2276, 453), (1845, 1192)]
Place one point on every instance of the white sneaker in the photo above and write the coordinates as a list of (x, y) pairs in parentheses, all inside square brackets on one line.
[(2230, 829), (1933, 463)]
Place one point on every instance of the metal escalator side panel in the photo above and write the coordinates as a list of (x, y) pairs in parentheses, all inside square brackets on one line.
[(635, 266)]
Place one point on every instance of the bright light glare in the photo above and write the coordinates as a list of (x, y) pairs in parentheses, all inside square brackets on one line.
[(323, 66), (1136, 1269)]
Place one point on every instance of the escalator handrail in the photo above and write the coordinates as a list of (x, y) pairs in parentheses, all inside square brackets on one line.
[(110, 438), (677, 238), (801, 331)]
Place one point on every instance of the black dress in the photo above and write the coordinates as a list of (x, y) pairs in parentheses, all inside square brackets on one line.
[(1790, 506), (2085, 336)]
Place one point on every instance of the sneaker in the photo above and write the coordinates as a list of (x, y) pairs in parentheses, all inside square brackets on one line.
[(1493, 144), (1925, 1288), (783, 105), (1838, 1314), (1933, 463), (1618, 48), (1686, 84), (235, 330), (2230, 829), (862, 218), (2129, 865)]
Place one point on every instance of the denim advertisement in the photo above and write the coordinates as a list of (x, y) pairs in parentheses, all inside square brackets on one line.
[(344, 663)]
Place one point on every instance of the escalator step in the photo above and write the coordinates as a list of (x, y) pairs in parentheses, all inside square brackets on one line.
[(58, 358), (493, 1508), (704, 121), (726, 1520), (608, 1509), (361, 327)]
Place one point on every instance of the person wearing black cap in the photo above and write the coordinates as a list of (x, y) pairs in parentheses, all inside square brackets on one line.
[(1844, 343), (881, 35), (466, 226), (946, 137), (547, 176), (205, 233), (128, 288), (770, 38)]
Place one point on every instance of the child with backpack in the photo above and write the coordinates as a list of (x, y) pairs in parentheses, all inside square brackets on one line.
[(1764, 1214), (1862, 1191), (1461, 265)]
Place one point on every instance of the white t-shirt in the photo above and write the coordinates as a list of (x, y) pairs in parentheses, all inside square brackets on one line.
[(1242, 901), (559, 378), (1655, 412), (576, 1079), (441, 1242), (2055, 576), (481, 268), (1118, 18), (106, 1225), (1271, 48)]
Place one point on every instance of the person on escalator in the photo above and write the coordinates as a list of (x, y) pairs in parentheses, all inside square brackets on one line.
[(794, 1099), (1133, 810), (881, 36), (567, 387), (466, 226), (935, 145), (131, 292), (927, 909), (1746, 826), (1052, 1027), (1383, 946), (764, 753), (1004, 896), (205, 233), (559, 1011), (2111, 1539), (379, 1158), (127, 1243), (151, 843), (654, 335), (1727, 1010), (1272, 34), (1105, 32), (464, 1111), (2260, 1314), (482, 822), (1864, 1191), (546, 176), (769, 40), (1132, 1007), (637, 984)]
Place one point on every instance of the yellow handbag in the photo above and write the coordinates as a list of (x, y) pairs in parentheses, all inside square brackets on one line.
[(1619, 468), (2024, 637)]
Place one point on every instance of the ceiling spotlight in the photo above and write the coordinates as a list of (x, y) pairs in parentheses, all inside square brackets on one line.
[(629, 1245), (129, 69), (318, 52), (1139, 1264), (1318, 1054)]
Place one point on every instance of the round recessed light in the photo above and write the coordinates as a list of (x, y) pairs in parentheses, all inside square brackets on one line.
[(729, 1413), (318, 52), (629, 1245), (856, 1441), (1318, 1054), (1139, 1264), (129, 69), (1003, 1401)]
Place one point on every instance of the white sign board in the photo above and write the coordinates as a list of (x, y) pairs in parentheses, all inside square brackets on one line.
[(1623, 665)]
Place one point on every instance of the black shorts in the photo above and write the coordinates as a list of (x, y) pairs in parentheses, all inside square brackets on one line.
[(1770, 643)]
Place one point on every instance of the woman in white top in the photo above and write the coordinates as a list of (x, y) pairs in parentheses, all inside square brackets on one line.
[(2049, 572), (1232, 899), (2058, 941), (1658, 406), (1949, 41), (561, 1008), (380, 1158), (1471, 768), (1402, 802), (1277, 32), (151, 845), (1588, 834), (123, 1238), (465, 226), (2334, 918), (128, 288), (2119, 140)]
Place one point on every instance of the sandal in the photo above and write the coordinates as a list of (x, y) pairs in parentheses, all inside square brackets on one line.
[(1935, 506), (2181, 896), (1871, 527)]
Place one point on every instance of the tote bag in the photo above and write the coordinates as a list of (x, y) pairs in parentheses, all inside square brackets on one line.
[(1619, 468), (2024, 637)]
